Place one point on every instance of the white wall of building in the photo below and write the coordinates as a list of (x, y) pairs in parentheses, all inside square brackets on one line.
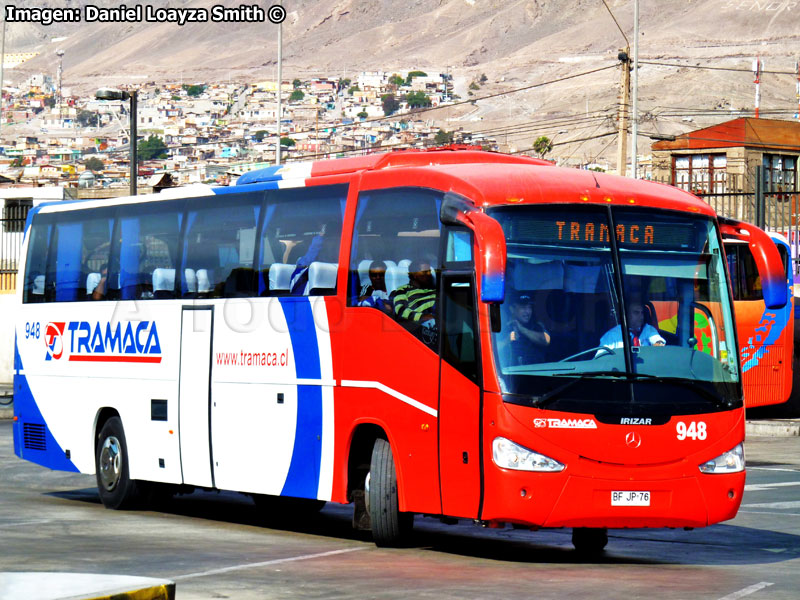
[(8, 316)]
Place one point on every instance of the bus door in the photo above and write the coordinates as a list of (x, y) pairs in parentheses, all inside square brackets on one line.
[(459, 397), (194, 395)]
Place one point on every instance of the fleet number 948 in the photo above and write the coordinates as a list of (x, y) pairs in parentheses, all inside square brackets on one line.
[(695, 430)]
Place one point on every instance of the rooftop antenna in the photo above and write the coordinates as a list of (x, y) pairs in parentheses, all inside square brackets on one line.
[(758, 68), (60, 54), (796, 68)]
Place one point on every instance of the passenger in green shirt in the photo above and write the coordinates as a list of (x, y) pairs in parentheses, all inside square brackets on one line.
[(416, 301)]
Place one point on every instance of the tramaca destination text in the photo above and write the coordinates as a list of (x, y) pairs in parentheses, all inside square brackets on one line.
[(244, 13)]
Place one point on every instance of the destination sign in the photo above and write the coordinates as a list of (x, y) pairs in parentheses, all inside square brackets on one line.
[(576, 231), (631, 230)]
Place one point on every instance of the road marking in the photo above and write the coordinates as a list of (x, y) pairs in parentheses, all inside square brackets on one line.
[(747, 591), (266, 563), (749, 468), (21, 523), (766, 512), (781, 505), (758, 487)]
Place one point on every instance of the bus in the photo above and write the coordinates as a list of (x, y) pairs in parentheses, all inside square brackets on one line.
[(766, 334), (416, 332)]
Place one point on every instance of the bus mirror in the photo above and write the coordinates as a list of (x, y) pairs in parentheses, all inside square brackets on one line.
[(767, 258), (490, 239)]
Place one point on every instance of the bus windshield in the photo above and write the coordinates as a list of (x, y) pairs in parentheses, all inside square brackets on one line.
[(572, 289)]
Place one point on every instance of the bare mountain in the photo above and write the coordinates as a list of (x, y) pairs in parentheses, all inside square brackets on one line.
[(515, 43)]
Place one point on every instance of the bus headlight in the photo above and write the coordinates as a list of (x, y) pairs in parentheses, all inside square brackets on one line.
[(731, 461), (508, 455)]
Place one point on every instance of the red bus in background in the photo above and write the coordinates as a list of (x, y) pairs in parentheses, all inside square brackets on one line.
[(477, 336), (766, 333)]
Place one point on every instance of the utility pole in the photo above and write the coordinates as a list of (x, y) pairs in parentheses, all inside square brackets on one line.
[(635, 119), (622, 141), (280, 82), (758, 67), (2, 75), (134, 128)]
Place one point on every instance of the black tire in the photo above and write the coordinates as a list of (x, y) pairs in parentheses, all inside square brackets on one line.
[(589, 540), (390, 527), (117, 490)]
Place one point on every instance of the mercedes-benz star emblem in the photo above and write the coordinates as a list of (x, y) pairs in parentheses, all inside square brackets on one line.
[(633, 440)]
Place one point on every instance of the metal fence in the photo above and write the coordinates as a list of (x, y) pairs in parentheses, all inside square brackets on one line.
[(772, 211), (777, 212), (12, 226)]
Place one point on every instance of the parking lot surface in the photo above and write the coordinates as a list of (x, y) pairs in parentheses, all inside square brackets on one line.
[(218, 545)]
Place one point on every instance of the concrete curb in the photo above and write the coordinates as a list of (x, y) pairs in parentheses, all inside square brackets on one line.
[(6, 411), (773, 428), (83, 586)]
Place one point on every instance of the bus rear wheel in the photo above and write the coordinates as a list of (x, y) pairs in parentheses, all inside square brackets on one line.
[(589, 540), (390, 527), (117, 490)]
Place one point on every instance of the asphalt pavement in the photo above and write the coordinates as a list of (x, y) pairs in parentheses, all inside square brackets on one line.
[(769, 441)]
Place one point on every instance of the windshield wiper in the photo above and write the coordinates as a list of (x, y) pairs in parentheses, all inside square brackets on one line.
[(715, 399), (548, 397)]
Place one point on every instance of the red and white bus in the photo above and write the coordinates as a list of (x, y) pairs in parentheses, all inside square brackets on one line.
[(413, 332), (766, 333)]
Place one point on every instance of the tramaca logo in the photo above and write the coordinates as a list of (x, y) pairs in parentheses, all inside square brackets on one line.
[(54, 340), (131, 342)]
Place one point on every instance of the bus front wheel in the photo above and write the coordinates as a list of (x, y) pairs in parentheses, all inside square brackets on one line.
[(117, 490), (589, 540), (390, 527)]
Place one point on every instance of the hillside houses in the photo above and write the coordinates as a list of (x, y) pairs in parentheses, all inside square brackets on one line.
[(209, 129)]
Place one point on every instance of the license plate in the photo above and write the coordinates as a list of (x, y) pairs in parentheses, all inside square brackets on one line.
[(630, 498)]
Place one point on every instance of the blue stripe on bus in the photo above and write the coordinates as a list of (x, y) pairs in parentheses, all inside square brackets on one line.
[(42, 449), (261, 175), (302, 481), (781, 318), (252, 187)]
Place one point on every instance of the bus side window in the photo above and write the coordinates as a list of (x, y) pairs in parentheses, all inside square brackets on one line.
[(733, 269), (460, 347), (750, 279), (36, 262), (97, 254), (64, 250), (219, 248), (401, 228), (300, 241), (148, 250)]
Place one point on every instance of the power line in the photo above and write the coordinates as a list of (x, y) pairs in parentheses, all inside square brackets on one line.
[(709, 68), (495, 95), (627, 43), (603, 149), (594, 137), (563, 120)]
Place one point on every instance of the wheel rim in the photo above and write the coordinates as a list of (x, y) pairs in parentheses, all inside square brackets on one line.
[(110, 463)]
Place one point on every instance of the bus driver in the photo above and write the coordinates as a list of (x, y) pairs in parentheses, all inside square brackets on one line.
[(641, 333)]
